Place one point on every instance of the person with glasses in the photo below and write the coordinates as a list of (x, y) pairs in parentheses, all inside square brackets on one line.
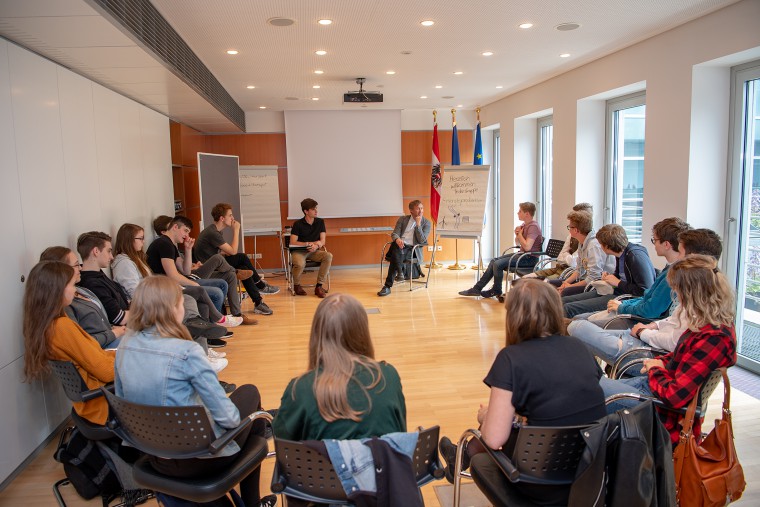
[(656, 301), (85, 308)]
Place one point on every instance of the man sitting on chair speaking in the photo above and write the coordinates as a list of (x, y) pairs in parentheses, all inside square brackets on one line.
[(410, 230), (309, 232)]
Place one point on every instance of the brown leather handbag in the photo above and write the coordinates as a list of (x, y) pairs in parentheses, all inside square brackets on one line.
[(708, 473)]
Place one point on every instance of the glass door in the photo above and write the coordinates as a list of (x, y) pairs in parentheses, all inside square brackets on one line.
[(744, 213)]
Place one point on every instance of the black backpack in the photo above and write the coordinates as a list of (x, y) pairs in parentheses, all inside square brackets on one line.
[(85, 466)]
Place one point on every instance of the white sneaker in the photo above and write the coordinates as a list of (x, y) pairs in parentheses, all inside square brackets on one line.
[(218, 364), (231, 321), (213, 354)]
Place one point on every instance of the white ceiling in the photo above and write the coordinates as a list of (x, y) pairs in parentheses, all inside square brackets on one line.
[(366, 39)]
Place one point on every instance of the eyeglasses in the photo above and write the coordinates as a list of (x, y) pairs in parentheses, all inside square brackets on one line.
[(653, 240), (77, 265), (571, 227), (140, 239)]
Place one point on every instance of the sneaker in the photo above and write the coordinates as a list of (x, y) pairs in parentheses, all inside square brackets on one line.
[(228, 388), (215, 343), (246, 320), (490, 293), (230, 321), (449, 454), (243, 274), (470, 292), (229, 334), (218, 364), (262, 309), (268, 501), (269, 289), (216, 355)]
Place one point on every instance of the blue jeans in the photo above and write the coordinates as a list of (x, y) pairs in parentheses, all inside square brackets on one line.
[(638, 385), (497, 266), (584, 302), (217, 290), (606, 344)]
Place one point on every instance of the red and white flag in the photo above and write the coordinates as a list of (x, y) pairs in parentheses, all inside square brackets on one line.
[(436, 177)]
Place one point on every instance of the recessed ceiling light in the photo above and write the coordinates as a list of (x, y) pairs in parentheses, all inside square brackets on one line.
[(232, 51), (280, 22), (460, 105), (458, 73), (525, 26), (566, 27), (319, 72), (564, 55), (325, 22), (262, 107), (487, 53), (390, 72), (320, 52), (316, 86), (250, 87), (315, 98), (423, 96), (427, 22), (438, 86), (499, 87)]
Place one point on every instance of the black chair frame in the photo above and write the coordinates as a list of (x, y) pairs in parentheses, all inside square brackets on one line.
[(310, 265), (413, 260), (181, 433), (302, 472)]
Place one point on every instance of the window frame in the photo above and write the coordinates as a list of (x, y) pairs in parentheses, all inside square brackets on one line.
[(544, 159)]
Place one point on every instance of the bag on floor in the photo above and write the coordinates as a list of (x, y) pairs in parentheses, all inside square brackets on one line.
[(84, 465), (165, 500)]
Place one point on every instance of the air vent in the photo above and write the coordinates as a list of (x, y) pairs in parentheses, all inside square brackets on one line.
[(147, 27)]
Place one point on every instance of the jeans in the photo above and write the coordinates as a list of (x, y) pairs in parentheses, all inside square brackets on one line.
[(637, 385), (584, 302), (497, 266), (217, 267), (216, 289), (605, 344)]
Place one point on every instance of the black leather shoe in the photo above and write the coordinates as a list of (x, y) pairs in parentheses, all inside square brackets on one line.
[(384, 291)]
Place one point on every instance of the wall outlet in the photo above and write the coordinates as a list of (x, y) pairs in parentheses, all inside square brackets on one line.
[(257, 256), (440, 248), (430, 249)]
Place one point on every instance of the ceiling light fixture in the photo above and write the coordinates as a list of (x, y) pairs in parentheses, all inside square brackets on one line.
[(250, 87), (325, 22), (438, 86), (487, 53), (315, 98), (499, 87), (390, 72), (460, 105), (232, 51), (316, 87), (564, 55), (262, 107), (320, 52), (427, 22), (319, 72), (458, 73), (525, 26), (423, 96)]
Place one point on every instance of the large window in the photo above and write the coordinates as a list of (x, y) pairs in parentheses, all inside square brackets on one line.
[(744, 210), (544, 173), (624, 201)]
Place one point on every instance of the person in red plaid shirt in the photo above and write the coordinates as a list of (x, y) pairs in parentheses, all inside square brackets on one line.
[(709, 342)]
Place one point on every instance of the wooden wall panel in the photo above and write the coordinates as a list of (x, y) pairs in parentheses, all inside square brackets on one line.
[(192, 142), (417, 147), (253, 149), (415, 181), (175, 132)]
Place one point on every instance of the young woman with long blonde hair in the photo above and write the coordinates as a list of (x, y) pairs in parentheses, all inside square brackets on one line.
[(346, 393)]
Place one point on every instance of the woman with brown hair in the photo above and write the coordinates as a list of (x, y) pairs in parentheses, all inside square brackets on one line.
[(159, 364), (542, 376), (346, 393), (709, 342), (130, 264), (50, 335)]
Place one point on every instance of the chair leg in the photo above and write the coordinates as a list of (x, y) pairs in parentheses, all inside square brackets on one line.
[(57, 492)]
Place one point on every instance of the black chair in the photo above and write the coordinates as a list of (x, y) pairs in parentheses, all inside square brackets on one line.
[(535, 455), (180, 433), (289, 267), (705, 391), (303, 473), (631, 358), (77, 391), (410, 265)]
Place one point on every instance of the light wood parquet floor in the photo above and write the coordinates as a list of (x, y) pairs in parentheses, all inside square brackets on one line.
[(442, 345)]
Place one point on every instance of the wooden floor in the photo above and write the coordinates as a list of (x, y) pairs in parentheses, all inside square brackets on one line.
[(442, 345)]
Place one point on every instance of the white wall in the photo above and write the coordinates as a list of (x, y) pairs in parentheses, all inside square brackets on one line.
[(676, 110), (74, 157)]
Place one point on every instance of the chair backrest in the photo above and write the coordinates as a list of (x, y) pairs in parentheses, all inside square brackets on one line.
[(168, 432), (554, 247), (72, 382), (304, 470), (548, 455), (709, 386)]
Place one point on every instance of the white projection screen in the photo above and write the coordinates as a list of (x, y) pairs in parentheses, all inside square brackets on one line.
[(348, 161)]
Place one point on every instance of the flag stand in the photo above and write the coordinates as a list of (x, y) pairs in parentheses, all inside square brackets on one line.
[(433, 264), (456, 266)]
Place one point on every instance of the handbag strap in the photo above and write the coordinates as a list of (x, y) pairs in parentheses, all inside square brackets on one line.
[(688, 420)]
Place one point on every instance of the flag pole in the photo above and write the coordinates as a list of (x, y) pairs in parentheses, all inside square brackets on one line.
[(434, 208), (479, 263), (455, 161)]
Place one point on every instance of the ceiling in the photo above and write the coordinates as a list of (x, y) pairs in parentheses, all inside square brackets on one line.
[(367, 39)]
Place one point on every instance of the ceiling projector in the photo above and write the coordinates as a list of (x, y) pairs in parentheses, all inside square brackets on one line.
[(362, 95)]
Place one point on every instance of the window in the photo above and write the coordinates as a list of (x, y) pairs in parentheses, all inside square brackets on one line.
[(544, 172), (624, 200)]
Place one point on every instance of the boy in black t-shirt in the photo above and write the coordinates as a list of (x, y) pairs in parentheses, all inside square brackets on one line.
[(310, 232)]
